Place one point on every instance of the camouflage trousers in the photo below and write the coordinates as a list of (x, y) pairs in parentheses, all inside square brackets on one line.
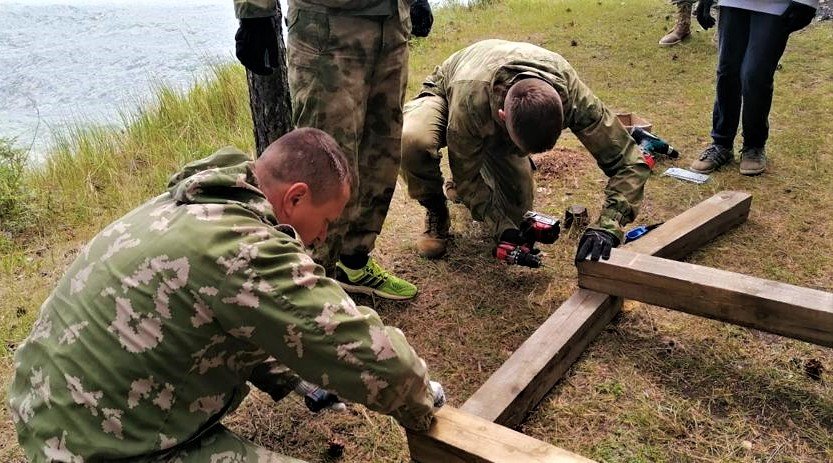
[(220, 445), (347, 77), (497, 192)]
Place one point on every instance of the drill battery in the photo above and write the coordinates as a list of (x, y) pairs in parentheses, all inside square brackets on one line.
[(539, 228)]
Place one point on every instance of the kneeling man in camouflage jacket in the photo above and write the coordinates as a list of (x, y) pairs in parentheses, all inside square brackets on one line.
[(151, 336)]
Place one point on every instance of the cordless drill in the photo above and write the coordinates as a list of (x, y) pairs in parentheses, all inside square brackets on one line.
[(534, 227), (652, 146)]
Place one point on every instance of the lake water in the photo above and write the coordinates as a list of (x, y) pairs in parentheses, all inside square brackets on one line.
[(86, 60), (64, 62)]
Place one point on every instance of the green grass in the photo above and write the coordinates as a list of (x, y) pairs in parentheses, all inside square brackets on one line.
[(657, 385)]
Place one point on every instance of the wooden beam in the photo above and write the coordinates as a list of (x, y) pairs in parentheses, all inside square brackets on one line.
[(457, 436), (791, 311), (692, 229), (534, 368)]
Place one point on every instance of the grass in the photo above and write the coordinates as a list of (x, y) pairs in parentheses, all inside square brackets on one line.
[(656, 385)]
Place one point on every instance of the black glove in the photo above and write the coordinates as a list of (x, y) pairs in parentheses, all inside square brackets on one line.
[(317, 399), (512, 235), (257, 45), (798, 16), (595, 243), (704, 15), (321, 399), (421, 18)]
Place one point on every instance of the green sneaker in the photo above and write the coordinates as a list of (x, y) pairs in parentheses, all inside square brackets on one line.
[(373, 279)]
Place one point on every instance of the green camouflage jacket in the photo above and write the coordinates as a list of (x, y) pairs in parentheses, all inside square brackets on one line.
[(264, 8), (474, 81), (151, 334)]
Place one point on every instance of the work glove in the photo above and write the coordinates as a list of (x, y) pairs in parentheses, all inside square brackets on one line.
[(704, 14), (595, 243), (517, 237), (421, 18), (439, 394), (512, 235), (256, 45), (798, 16), (317, 399)]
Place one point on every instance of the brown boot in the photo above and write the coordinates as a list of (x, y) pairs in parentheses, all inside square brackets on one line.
[(433, 242), (682, 28)]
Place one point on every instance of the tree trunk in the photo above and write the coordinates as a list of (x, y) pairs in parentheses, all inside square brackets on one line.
[(269, 97)]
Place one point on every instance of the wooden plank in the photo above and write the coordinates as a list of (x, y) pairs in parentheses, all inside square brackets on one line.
[(692, 229), (456, 436), (534, 368), (791, 311)]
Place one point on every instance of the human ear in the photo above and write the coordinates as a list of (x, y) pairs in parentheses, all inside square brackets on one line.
[(501, 114), (294, 196)]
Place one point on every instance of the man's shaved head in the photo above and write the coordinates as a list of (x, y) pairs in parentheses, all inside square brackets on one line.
[(309, 156), (534, 115)]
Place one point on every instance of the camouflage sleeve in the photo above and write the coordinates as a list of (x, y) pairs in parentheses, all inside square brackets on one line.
[(254, 8), (284, 303), (616, 153)]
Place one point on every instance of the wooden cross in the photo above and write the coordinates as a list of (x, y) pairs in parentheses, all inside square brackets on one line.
[(476, 432)]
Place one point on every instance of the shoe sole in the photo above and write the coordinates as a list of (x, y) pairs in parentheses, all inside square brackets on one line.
[(430, 256), (710, 170), (372, 292), (702, 171), (752, 173)]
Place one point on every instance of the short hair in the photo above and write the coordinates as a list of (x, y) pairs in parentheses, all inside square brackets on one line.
[(534, 115), (310, 156)]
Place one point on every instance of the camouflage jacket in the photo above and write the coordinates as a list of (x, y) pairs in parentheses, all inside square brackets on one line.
[(151, 334), (264, 8), (474, 81)]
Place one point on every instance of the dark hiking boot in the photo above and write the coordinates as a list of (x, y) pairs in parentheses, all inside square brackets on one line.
[(752, 161)]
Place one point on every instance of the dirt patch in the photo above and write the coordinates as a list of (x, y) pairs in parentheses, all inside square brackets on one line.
[(560, 163)]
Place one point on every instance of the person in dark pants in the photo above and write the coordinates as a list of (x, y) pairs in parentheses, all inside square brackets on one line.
[(752, 36)]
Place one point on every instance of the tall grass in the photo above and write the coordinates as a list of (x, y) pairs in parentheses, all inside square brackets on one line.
[(94, 173), (18, 210)]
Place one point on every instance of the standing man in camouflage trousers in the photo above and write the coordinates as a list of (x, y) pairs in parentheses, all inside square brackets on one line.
[(348, 64), (149, 339), (492, 104)]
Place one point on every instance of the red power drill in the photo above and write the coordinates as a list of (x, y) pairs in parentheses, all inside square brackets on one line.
[(534, 227)]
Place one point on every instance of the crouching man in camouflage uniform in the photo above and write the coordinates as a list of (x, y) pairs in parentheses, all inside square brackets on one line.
[(150, 337), (493, 103)]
